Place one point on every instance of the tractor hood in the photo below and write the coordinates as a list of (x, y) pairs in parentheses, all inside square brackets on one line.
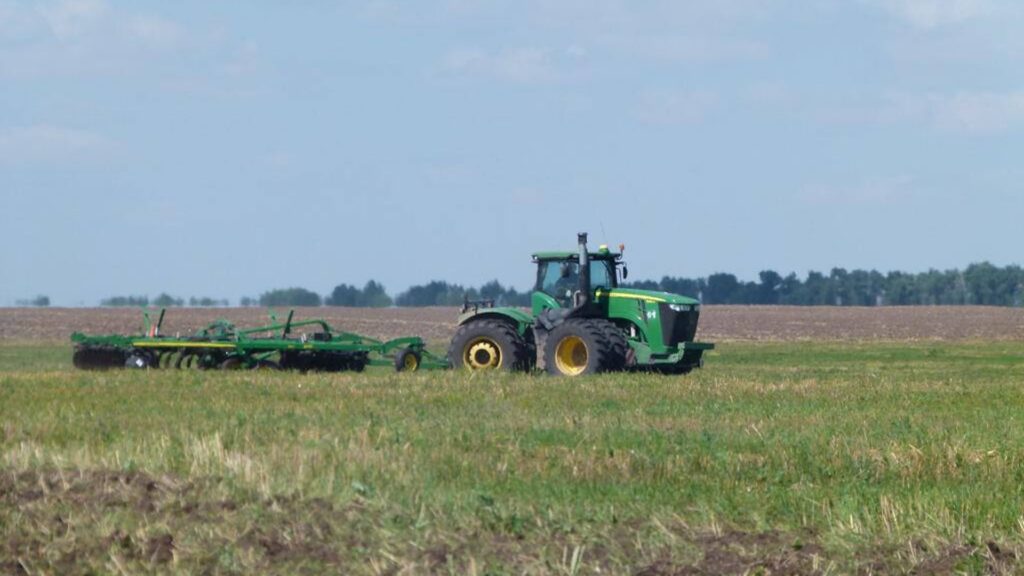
[(646, 295)]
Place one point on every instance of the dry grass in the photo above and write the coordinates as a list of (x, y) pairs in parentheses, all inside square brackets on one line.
[(817, 458)]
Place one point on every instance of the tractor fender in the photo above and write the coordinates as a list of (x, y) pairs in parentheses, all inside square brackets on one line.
[(523, 321)]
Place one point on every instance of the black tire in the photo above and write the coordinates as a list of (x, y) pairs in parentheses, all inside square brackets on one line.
[(488, 344), (618, 346), (233, 363), (407, 360), (98, 358), (577, 347), (266, 365)]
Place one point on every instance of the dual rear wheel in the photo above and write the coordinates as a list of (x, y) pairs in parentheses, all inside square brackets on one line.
[(577, 346)]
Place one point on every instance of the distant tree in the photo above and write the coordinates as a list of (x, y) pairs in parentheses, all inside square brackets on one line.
[(375, 296), (372, 295), (492, 290), (206, 302), (684, 286), (435, 293), (165, 300), (768, 291), (792, 290), (422, 295), (39, 301), (247, 301), (646, 284), (120, 301), (721, 289), (290, 297), (514, 298), (343, 295)]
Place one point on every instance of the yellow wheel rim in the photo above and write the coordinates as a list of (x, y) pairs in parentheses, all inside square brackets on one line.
[(409, 363), (571, 356), (482, 354)]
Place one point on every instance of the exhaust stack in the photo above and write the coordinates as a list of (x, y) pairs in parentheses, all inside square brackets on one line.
[(584, 275)]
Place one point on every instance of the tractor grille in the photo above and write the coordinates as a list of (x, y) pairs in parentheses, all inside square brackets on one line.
[(676, 326)]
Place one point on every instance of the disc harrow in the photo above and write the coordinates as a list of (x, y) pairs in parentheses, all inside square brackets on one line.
[(304, 346)]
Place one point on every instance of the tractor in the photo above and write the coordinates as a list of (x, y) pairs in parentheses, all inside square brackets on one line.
[(581, 322)]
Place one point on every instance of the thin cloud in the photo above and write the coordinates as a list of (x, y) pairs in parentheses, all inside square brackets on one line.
[(675, 107), (876, 192), (978, 111), (929, 14), (70, 19), (968, 112), (51, 145), (519, 65)]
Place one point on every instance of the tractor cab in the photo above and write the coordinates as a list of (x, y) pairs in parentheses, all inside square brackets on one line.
[(558, 277)]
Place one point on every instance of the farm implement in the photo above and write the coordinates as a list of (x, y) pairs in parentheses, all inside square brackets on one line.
[(307, 345)]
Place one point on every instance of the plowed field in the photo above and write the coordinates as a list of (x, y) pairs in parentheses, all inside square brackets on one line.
[(718, 323)]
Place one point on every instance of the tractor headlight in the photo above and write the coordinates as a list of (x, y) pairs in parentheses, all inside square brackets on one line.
[(679, 307)]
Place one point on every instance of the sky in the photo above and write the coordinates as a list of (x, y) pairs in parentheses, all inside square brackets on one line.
[(223, 149)]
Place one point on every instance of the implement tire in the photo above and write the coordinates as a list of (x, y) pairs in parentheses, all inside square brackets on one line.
[(577, 347), (488, 344), (407, 360)]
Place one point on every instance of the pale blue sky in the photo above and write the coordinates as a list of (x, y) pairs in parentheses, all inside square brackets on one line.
[(226, 148)]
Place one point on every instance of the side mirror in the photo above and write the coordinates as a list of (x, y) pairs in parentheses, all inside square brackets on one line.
[(625, 272)]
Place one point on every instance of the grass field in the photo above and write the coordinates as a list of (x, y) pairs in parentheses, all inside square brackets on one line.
[(777, 458)]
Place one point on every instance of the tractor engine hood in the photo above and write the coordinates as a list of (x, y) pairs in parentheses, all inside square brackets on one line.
[(646, 295)]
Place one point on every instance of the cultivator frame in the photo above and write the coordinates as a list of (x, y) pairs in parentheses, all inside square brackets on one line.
[(222, 345)]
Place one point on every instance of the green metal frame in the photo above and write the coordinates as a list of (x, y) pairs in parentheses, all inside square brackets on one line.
[(224, 338)]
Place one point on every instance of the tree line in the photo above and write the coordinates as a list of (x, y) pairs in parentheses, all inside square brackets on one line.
[(164, 300), (980, 284)]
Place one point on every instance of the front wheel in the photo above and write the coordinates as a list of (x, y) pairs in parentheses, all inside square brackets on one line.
[(488, 345), (577, 347)]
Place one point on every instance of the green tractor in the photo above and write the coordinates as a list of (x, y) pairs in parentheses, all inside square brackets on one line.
[(582, 322)]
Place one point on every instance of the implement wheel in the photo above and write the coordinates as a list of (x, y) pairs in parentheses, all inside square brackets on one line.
[(266, 365), (407, 360), (577, 347), (233, 363), (487, 345), (140, 359)]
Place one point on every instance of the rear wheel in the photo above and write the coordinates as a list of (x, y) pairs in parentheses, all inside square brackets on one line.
[(577, 347), (488, 345)]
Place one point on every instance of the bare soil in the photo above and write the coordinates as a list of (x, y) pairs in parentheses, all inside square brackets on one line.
[(718, 323), (93, 521)]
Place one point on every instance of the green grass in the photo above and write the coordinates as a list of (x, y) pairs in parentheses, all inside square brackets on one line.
[(840, 456)]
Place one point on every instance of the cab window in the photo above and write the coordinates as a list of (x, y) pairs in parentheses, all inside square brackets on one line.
[(560, 279)]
